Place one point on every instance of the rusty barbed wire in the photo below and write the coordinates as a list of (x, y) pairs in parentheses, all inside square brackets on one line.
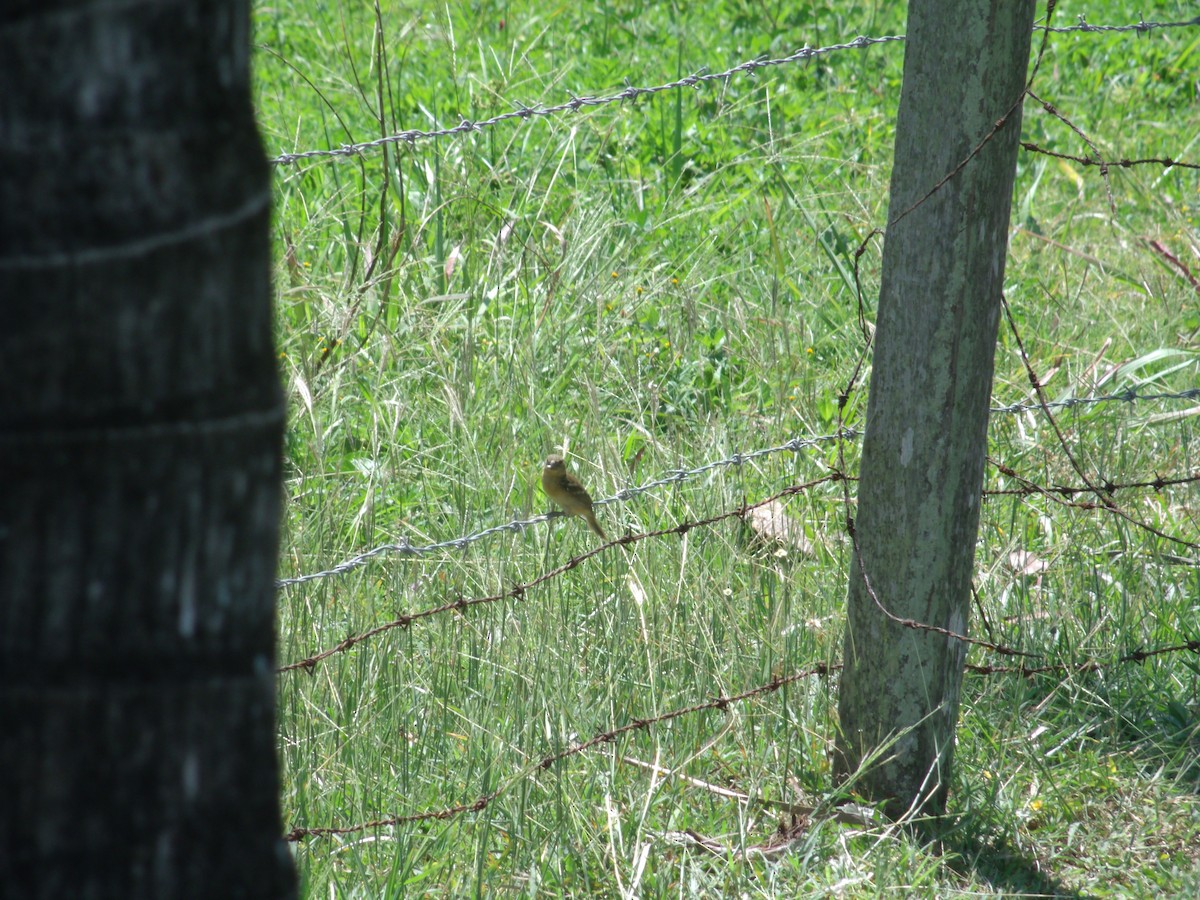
[(631, 92), (603, 737), (677, 476), (1103, 491), (518, 591), (671, 477), (1028, 488), (1105, 164), (1042, 403), (1099, 487), (716, 703), (1097, 158), (1092, 664), (1025, 671), (1109, 504)]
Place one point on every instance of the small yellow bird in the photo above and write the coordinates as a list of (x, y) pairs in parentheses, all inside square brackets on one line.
[(564, 489)]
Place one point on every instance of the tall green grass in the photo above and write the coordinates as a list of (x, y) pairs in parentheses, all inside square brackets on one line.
[(653, 286)]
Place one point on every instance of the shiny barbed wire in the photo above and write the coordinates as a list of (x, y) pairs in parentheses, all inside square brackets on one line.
[(673, 476), (677, 476), (576, 103), (1141, 26), (632, 92), (1129, 395)]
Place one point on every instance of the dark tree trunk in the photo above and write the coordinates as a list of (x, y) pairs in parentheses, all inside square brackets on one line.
[(926, 436), (140, 424)]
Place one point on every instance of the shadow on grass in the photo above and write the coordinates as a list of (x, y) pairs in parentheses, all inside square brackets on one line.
[(971, 847)]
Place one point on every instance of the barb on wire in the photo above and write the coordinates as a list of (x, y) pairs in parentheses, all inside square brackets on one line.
[(518, 591), (604, 737), (675, 476), (1096, 155)]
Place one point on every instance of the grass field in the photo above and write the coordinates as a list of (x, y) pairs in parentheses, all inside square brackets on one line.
[(657, 285)]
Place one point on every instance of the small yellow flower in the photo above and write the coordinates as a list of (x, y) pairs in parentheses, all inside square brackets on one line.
[(614, 274)]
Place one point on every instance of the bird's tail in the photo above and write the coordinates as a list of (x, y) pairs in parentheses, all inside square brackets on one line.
[(595, 526)]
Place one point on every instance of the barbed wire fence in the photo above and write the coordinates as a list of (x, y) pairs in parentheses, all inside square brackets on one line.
[(721, 704), (518, 591), (675, 477), (1103, 490)]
